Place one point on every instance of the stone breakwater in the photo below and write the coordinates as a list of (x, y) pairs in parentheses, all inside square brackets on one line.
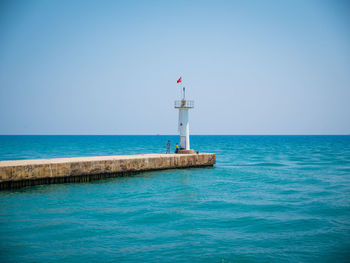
[(21, 173)]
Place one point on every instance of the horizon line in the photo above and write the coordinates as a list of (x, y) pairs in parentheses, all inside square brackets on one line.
[(211, 134)]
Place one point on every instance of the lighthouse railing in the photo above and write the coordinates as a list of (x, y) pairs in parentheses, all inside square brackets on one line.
[(184, 104)]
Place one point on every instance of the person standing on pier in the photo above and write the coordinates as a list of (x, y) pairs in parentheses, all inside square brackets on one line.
[(168, 147), (177, 148)]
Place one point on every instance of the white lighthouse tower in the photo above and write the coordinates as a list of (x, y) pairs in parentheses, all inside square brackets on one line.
[(184, 127)]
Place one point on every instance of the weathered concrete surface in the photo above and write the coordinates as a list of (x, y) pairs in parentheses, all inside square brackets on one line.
[(186, 151), (14, 174)]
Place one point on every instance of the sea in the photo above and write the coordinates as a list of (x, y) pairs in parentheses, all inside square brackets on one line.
[(267, 199)]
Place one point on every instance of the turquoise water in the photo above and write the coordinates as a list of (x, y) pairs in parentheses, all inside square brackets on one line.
[(268, 199)]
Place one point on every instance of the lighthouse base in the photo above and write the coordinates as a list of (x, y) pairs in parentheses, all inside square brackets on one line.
[(184, 151)]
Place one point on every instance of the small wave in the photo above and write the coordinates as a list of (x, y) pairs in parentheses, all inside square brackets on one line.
[(269, 164), (258, 164)]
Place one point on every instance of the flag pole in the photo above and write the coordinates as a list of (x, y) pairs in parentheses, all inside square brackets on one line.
[(180, 84), (179, 81)]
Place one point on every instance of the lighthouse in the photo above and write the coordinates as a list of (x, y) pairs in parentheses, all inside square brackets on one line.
[(183, 106)]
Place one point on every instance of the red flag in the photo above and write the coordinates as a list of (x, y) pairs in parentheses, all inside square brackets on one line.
[(179, 80)]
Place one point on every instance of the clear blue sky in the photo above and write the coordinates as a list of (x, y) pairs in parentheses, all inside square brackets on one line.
[(110, 67)]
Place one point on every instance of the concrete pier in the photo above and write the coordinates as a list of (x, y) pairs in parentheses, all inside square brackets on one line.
[(16, 174)]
